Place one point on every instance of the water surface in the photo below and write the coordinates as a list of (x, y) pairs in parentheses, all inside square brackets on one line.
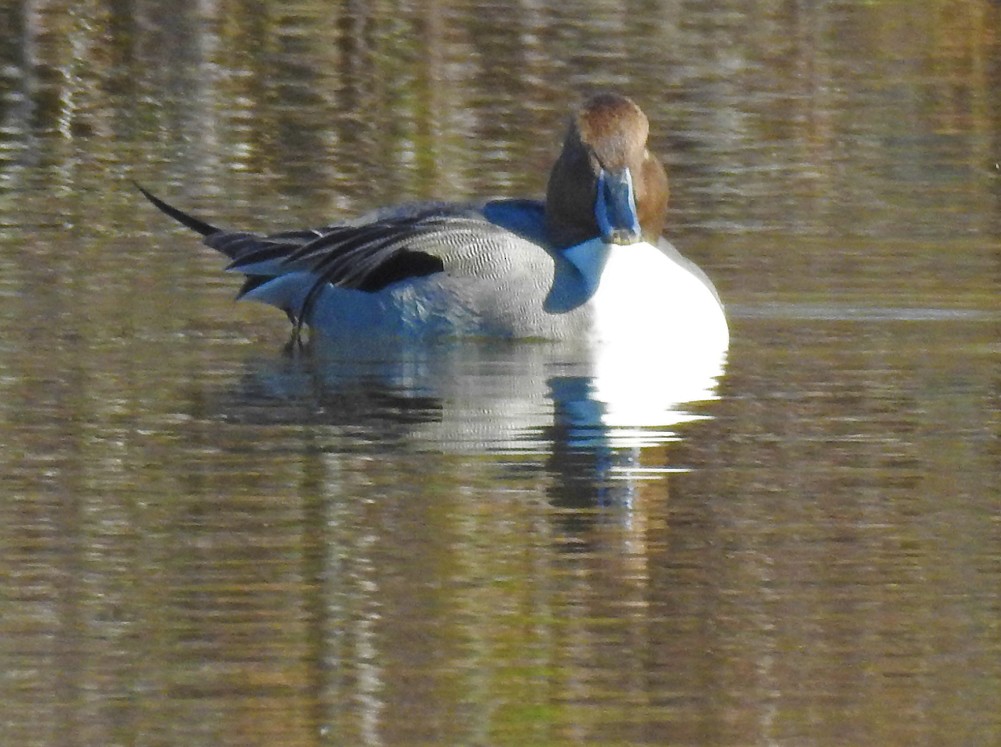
[(205, 542)]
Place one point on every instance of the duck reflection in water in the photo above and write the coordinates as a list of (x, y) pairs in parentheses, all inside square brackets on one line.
[(481, 398)]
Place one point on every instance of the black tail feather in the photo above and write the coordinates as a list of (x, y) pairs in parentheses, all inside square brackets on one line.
[(205, 229)]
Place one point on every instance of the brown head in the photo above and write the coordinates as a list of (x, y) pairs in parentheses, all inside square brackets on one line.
[(605, 181)]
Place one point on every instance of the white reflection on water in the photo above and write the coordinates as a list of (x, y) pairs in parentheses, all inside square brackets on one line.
[(488, 396), (476, 396)]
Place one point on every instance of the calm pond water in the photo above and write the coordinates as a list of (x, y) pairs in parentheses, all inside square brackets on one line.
[(205, 542)]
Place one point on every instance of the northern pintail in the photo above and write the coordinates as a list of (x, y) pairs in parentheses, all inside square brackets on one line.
[(587, 263)]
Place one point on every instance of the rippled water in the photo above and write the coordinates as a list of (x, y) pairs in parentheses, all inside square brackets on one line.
[(204, 541)]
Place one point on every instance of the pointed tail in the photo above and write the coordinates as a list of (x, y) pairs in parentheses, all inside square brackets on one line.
[(205, 229)]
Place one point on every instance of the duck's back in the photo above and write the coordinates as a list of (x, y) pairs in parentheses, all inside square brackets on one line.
[(493, 278)]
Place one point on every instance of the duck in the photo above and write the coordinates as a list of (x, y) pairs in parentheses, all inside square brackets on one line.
[(586, 263)]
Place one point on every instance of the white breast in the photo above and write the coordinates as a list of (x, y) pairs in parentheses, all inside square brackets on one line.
[(647, 295)]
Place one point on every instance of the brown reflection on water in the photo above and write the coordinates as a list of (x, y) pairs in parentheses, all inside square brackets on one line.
[(856, 514), (187, 560)]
